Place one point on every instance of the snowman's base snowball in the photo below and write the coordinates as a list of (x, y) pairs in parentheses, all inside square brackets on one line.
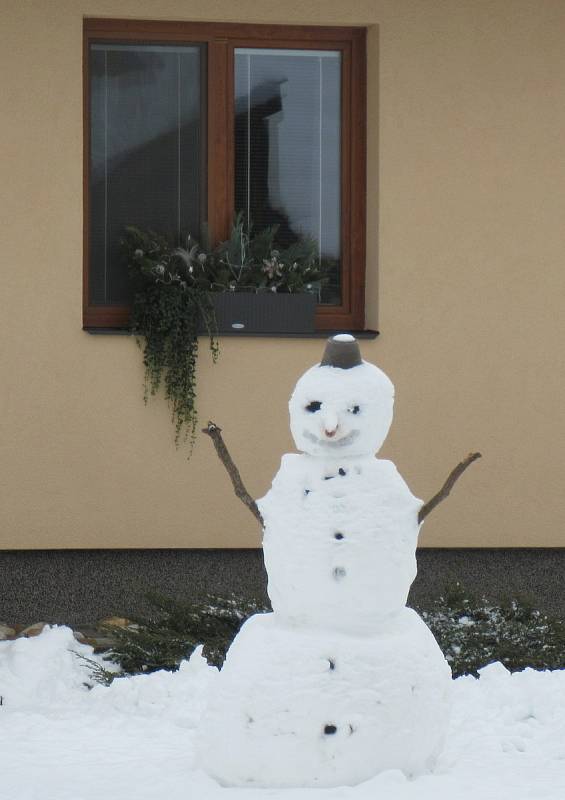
[(304, 708)]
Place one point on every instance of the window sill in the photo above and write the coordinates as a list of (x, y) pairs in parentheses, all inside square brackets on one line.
[(365, 334)]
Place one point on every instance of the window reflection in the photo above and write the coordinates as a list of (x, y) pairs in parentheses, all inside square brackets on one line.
[(287, 148), (146, 153)]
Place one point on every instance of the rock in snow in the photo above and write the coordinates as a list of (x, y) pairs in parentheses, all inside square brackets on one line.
[(6, 632)]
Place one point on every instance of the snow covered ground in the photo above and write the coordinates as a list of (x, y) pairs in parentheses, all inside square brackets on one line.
[(60, 740)]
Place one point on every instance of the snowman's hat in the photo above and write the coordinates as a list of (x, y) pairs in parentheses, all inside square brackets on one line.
[(342, 351)]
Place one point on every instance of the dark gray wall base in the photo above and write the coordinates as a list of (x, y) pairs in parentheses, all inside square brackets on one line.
[(535, 575), (82, 586)]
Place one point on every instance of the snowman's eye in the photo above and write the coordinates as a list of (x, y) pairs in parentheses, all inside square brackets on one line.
[(314, 406), (354, 409)]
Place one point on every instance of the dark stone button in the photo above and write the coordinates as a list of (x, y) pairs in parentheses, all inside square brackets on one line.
[(342, 471), (339, 536), (330, 729)]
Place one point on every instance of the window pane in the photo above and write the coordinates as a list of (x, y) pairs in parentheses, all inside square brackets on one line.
[(146, 156), (287, 147)]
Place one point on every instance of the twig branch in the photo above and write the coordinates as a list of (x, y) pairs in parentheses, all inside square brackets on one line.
[(215, 433), (453, 476)]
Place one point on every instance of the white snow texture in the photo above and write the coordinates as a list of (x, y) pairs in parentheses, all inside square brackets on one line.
[(342, 681), (135, 739)]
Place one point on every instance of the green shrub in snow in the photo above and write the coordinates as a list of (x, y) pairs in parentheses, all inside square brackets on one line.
[(471, 632), (169, 634), (475, 632)]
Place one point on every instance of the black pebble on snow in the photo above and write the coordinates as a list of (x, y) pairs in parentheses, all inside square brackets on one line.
[(342, 471), (338, 536), (306, 492), (332, 663), (330, 729)]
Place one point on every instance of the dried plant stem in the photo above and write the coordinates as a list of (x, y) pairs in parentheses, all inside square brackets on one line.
[(215, 433), (453, 476)]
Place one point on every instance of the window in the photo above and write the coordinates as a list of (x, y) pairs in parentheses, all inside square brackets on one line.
[(188, 123)]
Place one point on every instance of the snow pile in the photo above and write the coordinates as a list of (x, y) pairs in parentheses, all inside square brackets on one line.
[(61, 740), (507, 736), (135, 739), (179, 696), (40, 673), (56, 671)]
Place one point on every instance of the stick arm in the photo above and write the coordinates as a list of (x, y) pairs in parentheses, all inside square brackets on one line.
[(445, 490), (215, 433)]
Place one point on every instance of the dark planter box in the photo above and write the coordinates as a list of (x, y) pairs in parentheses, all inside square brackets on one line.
[(265, 312)]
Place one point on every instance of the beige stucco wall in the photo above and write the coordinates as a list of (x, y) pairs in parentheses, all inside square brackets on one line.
[(466, 243)]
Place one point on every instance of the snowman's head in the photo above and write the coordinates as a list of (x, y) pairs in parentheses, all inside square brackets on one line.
[(342, 406)]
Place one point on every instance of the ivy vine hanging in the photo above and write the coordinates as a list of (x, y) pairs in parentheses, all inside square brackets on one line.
[(168, 312)]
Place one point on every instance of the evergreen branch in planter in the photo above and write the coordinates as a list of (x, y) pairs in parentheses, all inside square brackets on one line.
[(253, 261), (172, 300)]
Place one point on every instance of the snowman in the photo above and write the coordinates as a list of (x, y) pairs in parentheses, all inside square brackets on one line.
[(341, 680)]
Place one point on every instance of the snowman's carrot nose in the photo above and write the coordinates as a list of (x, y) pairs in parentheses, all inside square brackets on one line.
[(330, 423)]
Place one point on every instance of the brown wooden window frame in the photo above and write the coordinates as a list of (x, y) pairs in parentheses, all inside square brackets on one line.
[(221, 40)]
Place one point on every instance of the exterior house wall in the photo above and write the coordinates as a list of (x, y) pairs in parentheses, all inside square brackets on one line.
[(465, 281)]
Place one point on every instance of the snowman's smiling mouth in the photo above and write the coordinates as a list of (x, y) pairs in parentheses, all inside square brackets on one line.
[(332, 443)]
